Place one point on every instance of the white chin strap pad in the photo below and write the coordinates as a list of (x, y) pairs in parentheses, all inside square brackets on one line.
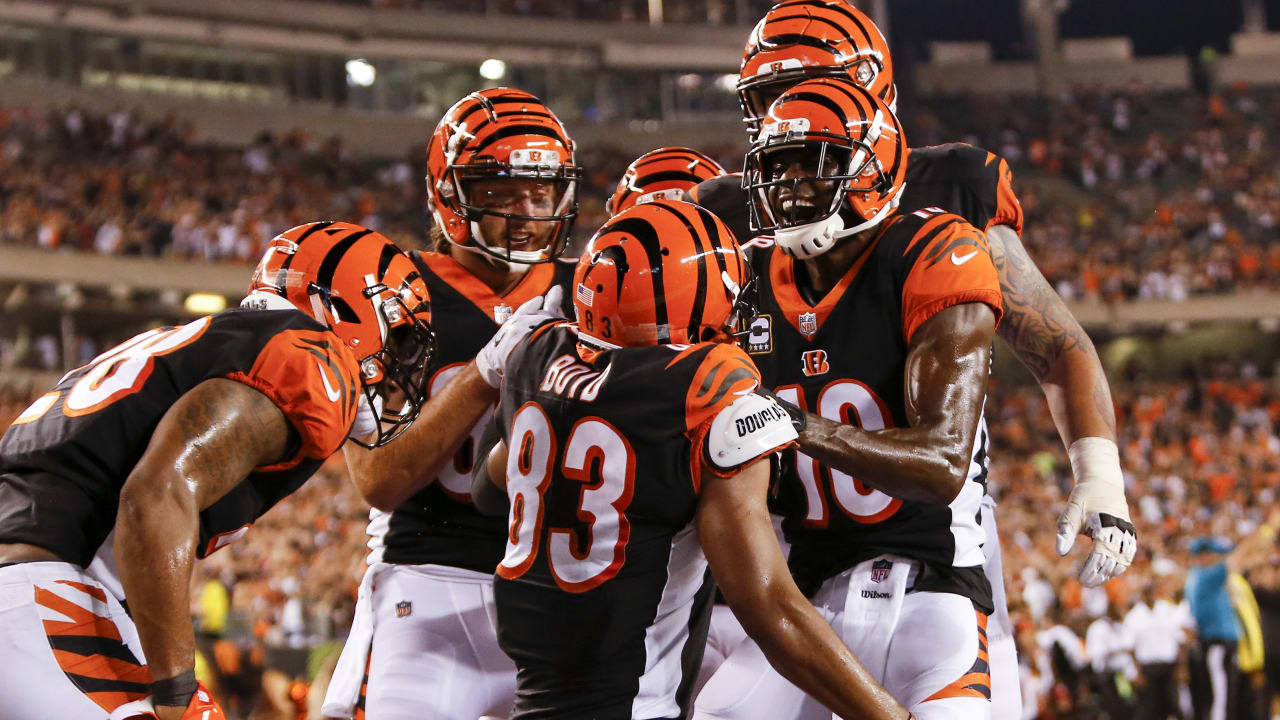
[(752, 426), (811, 240)]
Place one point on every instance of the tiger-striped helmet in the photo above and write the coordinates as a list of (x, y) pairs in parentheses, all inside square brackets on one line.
[(494, 139), (659, 273), (830, 161), (665, 173), (802, 39), (366, 291)]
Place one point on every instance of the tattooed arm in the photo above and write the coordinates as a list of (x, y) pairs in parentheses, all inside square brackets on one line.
[(1049, 341), (206, 444)]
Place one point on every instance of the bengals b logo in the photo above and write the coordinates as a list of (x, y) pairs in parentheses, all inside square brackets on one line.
[(815, 362)]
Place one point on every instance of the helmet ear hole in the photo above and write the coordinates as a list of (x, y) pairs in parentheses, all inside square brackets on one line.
[(707, 334)]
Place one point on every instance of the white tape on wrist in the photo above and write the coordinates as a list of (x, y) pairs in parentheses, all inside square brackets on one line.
[(1096, 461)]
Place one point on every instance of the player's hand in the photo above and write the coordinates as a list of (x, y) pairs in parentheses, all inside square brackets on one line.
[(201, 707), (1097, 508), (492, 359)]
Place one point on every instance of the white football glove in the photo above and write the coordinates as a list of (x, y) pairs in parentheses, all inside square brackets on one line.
[(492, 359), (1098, 509)]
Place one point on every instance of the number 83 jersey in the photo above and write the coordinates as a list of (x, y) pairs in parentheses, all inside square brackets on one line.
[(604, 595), (844, 359)]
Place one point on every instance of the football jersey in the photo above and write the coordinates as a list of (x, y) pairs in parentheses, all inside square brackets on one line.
[(438, 524), (844, 359), (65, 459), (975, 184), (603, 596)]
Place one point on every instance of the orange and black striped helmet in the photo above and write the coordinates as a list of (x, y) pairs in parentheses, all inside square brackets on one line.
[(502, 134), (830, 161), (665, 272), (802, 39), (366, 291), (665, 173)]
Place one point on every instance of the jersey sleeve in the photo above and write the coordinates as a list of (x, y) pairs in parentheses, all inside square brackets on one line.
[(954, 267), (315, 382), (720, 395), (1008, 211)]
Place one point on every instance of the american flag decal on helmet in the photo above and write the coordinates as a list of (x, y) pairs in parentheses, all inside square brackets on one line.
[(585, 295)]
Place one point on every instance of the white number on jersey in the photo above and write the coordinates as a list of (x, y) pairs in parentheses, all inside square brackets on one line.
[(530, 459), (867, 411)]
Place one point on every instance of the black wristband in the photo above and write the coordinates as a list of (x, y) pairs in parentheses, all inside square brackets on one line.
[(175, 691)]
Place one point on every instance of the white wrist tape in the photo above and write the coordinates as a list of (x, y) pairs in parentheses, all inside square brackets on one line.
[(1095, 463)]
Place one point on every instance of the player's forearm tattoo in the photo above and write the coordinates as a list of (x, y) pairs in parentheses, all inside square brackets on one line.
[(1036, 323)]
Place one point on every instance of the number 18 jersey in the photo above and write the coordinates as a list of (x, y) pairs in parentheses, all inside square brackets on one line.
[(844, 359), (65, 459)]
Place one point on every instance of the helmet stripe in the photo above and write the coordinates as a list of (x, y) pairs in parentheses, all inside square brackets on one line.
[(818, 99), (667, 176), (647, 235), (329, 266), (789, 39), (701, 250), (512, 130), (389, 253), (282, 276)]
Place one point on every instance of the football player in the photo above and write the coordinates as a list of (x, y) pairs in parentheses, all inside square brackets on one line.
[(802, 39), (168, 447), (881, 338), (502, 187), (666, 173), (637, 445)]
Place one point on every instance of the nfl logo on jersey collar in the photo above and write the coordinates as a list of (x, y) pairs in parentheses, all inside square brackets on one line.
[(809, 324)]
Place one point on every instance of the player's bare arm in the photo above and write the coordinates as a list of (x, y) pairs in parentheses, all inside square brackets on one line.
[(1051, 343), (207, 443), (738, 540), (946, 381), (489, 479), (391, 474), (1038, 327)]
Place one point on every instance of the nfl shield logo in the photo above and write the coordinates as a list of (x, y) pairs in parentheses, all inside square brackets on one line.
[(501, 313), (808, 324), (404, 608), (880, 570)]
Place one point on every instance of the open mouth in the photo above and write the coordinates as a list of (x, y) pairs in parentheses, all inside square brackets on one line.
[(797, 208)]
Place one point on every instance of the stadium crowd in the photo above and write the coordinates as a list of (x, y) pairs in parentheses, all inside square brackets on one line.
[(1186, 206)]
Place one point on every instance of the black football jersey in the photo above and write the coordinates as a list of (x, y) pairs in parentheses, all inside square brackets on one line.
[(439, 525), (844, 359), (975, 184), (65, 459), (603, 596)]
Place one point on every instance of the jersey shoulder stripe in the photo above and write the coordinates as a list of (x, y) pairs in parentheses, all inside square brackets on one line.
[(940, 261), (314, 379)]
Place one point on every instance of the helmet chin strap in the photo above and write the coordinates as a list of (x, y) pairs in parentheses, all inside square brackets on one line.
[(814, 239)]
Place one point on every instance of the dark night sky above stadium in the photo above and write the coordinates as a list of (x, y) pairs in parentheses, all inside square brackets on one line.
[(1157, 27)]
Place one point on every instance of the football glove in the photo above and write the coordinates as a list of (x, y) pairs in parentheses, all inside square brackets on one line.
[(1098, 509), (492, 359)]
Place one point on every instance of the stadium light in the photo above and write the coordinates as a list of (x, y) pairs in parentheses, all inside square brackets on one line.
[(205, 303), (493, 69), (361, 72)]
